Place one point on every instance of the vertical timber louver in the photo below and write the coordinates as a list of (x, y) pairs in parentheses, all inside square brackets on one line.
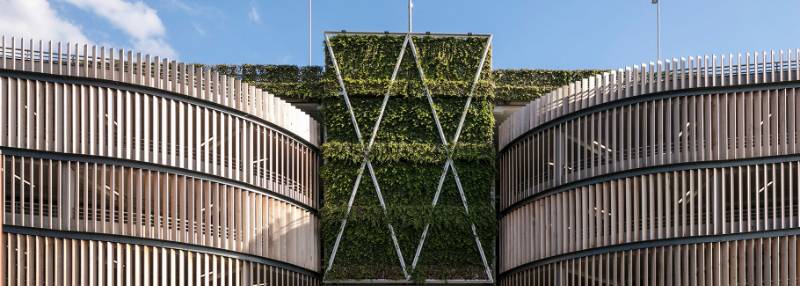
[(118, 168), (673, 173)]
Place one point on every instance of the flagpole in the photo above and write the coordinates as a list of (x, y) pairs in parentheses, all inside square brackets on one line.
[(410, 14), (309, 32), (658, 29)]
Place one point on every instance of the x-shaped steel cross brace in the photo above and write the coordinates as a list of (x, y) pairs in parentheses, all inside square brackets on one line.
[(366, 149), (449, 148)]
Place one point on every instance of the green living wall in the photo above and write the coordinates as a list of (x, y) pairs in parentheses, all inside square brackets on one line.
[(289, 82), (306, 83), (522, 85), (408, 158)]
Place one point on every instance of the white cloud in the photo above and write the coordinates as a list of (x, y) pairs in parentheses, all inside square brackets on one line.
[(253, 14), (136, 19), (37, 19)]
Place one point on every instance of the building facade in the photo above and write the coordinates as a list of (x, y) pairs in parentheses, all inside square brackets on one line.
[(672, 173), (118, 167), (121, 168)]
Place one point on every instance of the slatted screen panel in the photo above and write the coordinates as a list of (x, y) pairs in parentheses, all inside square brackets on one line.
[(85, 61), (721, 126), (120, 168), (42, 260), (109, 199), (113, 122), (655, 206), (763, 261), (678, 152), (661, 76)]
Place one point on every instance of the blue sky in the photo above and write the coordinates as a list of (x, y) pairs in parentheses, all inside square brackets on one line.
[(562, 34)]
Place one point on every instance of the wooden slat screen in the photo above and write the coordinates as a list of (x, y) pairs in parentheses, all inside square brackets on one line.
[(82, 60), (42, 260), (150, 152), (656, 206), (110, 122), (677, 150), (666, 131), (663, 75), (763, 261), (101, 198)]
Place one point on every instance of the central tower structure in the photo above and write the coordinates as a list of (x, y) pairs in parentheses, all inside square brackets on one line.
[(408, 160)]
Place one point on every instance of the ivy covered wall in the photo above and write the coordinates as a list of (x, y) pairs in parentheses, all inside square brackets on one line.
[(408, 158), (523, 85), (290, 82), (306, 84)]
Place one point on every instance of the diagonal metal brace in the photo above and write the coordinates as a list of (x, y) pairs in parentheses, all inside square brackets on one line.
[(449, 148), (366, 151)]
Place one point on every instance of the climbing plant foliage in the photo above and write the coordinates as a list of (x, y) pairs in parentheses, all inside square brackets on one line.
[(517, 85), (408, 158), (310, 83), (286, 81), (449, 65)]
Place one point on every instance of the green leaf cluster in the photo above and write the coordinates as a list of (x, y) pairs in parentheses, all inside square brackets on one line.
[(311, 83), (515, 85), (285, 81), (408, 187), (408, 159), (423, 153), (367, 62), (409, 119)]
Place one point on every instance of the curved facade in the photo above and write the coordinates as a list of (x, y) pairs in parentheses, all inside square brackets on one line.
[(682, 171), (121, 168)]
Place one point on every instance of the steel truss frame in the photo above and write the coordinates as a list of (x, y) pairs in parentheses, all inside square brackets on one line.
[(448, 145)]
